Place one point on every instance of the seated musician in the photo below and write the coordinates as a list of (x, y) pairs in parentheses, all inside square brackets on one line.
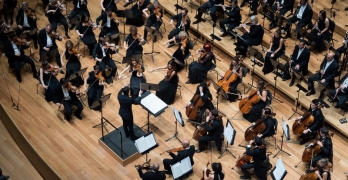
[(325, 144), (254, 4), (8, 7), (112, 4), (343, 49), (302, 17), (198, 70), (55, 16), (109, 25), (182, 24), (326, 75), (215, 131), (213, 6), (251, 37), (14, 51), (26, 21), (236, 69), (66, 96), (322, 169), (137, 11), (298, 62), (233, 19), (48, 80), (320, 31), (154, 19), (152, 173), (47, 41), (101, 54), (259, 156), (4, 31), (282, 6), (319, 118), (96, 86), (340, 94), (188, 151), (72, 55), (216, 174), (134, 41), (183, 50), (270, 123), (256, 110), (276, 49), (80, 8), (85, 31)]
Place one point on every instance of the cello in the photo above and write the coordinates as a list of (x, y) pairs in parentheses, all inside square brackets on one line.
[(247, 103), (254, 130), (301, 124), (229, 77), (194, 108), (207, 172)]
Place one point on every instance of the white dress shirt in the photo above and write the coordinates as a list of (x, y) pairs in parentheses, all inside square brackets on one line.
[(15, 48), (49, 42), (66, 93), (300, 12), (25, 21), (327, 65)]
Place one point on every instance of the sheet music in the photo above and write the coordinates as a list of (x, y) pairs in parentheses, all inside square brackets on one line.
[(178, 116), (279, 170), (186, 165), (153, 103), (182, 167), (176, 170), (228, 133), (151, 141), (141, 144)]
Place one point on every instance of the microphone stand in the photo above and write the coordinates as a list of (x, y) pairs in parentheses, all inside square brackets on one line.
[(276, 65), (203, 20), (213, 37), (300, 77)]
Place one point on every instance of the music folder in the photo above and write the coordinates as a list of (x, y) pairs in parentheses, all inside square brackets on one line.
[(145, 143), (152, 103), (279, 171), (181, 168)]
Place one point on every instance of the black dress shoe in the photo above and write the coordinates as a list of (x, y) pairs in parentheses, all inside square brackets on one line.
[(188, 82), (198, 21), (271, 26), (310, 93), (170, 45), (78, 116), (198, 150), (330, 100), (291, 84), (61, 72), (285, 78), (224, 34)]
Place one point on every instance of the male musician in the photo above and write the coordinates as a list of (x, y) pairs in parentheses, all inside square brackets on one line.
[(325, 144), (48, 43), (101, 54), (188, 152), (180, 25), (340, 94), (96, 88), (67, 98), (270, 122), (298, 62), (301, 18), (16, 56), (282, 6), (153, 174), (233, 19), (80, 7), (153, 19), (109, 26), (259, 156), (326, 75), (55, 16), (3, 177), (213, 5), (137, 11), (26, 22), (215, 131)]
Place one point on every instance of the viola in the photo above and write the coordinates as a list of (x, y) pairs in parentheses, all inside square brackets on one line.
[(184, 20), (60, 6), (71, 87), (100, 77), (183, 45), (139, 38), (173, 150), (207, 172), (228, 78), (53, 69), (247, 103)]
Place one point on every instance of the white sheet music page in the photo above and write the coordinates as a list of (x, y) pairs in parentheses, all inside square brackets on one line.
[(228, 132), (186, 165), (141, 144), (151, 141), (153, 103), (176, 170), (280, 169)]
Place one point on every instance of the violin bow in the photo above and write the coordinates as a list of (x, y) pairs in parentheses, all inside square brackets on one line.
[(59, 6)]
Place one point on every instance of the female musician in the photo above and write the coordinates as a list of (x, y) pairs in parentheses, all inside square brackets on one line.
[(138, 77), (217, 173), (73, 65), (236, 69), (134, 42), (256, 111), (340, 94), (96, 86), (85, 31), (275, 50), (137, 11), (55, 16), (48, 80), (320, 31), (270, 123), (198, 70), (80, 8), (8, 8), (324, 166), (169, 84), (154, 19), (325, 143), (183, 50), (109, 4)]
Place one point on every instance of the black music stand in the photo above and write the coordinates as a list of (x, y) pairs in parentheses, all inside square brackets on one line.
[(175, 60), (177, 7), (179, 119), (124, 14), (219, 92), (300, 88), (76, 76), (48, 54), (103, 120), (276, 65), (287, 135), (256, 55), (203, 20), (229, 134), (156, 34)]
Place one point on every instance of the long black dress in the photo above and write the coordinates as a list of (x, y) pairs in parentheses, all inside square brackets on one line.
[(319, 43), (168, 89), (72, 66), (268, 67), (198, 71), (88, 38), (181, 57), (137, 12), (135, 82), (53, 84), (134, 47), (256, 111)]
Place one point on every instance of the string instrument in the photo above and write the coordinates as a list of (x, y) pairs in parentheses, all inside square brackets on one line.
[(55, 36), (89, 23), (72, 88), (100, 77), (207, 172), (59, 6), (247, 103), (19, 41), (300, 125), (53, 69), (74, 51), (138, 37), (113, 16), (183, 45), (309, 176), (169, 72), (173, 150), (194, 108), (184, 21), (158, 13), (254, 130), (138, 69), (6, 28), (244, 159), (200, 131), (228, 78), (30, 14), (144, 166)]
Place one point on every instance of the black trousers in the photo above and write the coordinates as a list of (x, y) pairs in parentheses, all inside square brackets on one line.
[(34, 36), (315, 77), (150, 23), (204, 140), (287, 73), (173, 33), (232, 24), (343, 97), (78, 12), (54, 22), (109, 32), (16, 64), (132, 51), (292, 20), (268, 66), (128, 127), (57, 56), (213, 10), (246, 173), (67, 107), (167, 163), (94, 94), (109, 62), (8, 11), (282, 12)]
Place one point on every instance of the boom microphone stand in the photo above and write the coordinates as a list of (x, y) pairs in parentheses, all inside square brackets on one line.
[(276, 65), (300, 88), (156, 34)]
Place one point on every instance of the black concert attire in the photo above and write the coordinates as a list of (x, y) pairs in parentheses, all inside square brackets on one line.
[(321, 172), (137, 12), (134, 46), (8, 8), (168, 89), (109, 26), (213, 9), (206, 98), (11, 49), (254, 4), (268, 66), (50, 80), (316, 125), (326, 151), (299, 57), (270, 123), (234, 85), (342, 95), (253, 38), (45, 40), (233, 19), (3, 35), (303, 16), (135, 81), (181, 55), (27, 23), (56, 18), (111, 4), (188, 152), (215, 131), (179, 26), (95, 90), (68, 99), (72, 67), (88, 36), (319, 43), (259, 156), (152, 175), (198, 70), (286, 6), (153, 21), (256, 110), (330, 71), (126, 113), (341, 50), (79, 9), (101, 53), (220, 176)]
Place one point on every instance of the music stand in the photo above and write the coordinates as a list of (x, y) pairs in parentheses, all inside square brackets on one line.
[(177, 7), (181, 168), (77, 75), (256, 55), (124, 14), (156, 34), (96, 104), (175, 60), (179, 119), (300, 88), (145, 144), (286, 132), (276, 65), (218, 90), (48, 54), (229, 134), (279, 171)]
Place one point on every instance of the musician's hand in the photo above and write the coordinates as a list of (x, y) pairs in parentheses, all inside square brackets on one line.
[(189, 103), (200, 89), (252, 124), (296, 22), (171, 22), (119, 77), (141, 92), (259, 135), (147, 15), (125, 48), (81, 35), (297, 67), (46, 48), (45, 86), (164, 43), (305, 131), (321, 71), (125, 84), (258, 93), (63, 64), (103, 9), (341, 87), (311, 168), (58, 104), (320, 143), (322, 81), (152, 70), (251, 142), (34, 17), (221, 77), (269, 50), (99, 60), (318, 34), (20, 27), (233, 71), (84, 88), (272, 55), (18, 54)]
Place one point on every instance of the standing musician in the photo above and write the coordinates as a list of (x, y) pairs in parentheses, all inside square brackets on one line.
[(302, 17), (55, 16), (85, 31), (109, 4), (182, 24), (298, 62), (154, 19), (101, 54), (325, 144), (109, 25), (276, 49), (320, 31), (183, 50), (217, 173), (259, 156), (233, 19), (282, 6), (135, 42), (152, 173), (340, 94), (26, 20), (8, 8), (47, 41), (326, 75), (213, 6), (73, 64), (48, 79), (137, 11), (187, 151), (80, 8), (198, 70), (14, 51), (214, 126), (270, 123), (66, 96), (96, 83)]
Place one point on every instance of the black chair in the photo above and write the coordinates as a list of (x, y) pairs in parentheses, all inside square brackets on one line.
[(190, 44), (331, 29), (275, 122), (269, 98)]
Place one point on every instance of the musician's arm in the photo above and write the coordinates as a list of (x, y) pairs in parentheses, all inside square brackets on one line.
[(101, 4), (85, 82), (271, 44), (144, 12), (289, 4), (128, 67), (240, 73), (326, 26), (264, 96), (333, 73), (98, 19), (61, 57), (306, 17), (211, 128), (41, 78), (304, 61), (250, 152), (18, 17), (327, 148)]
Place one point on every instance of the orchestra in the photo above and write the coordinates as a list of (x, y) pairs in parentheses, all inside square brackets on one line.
[(340, 94), (233, 19), (85, 32), (55, 16)]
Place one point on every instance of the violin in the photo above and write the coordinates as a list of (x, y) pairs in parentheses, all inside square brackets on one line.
[(139, 38), (138, 69), (21, 42), (55, 35), (173, 150), (60, 6), (72, 88), (183, 45), (169, 72), (247, 103), (147, 168), (53, 69), (300, 125), (30, 14), (74, 51), (100, 77), (184, 21), (207, 172), (228, 78), (113, 17), (158, 13)]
